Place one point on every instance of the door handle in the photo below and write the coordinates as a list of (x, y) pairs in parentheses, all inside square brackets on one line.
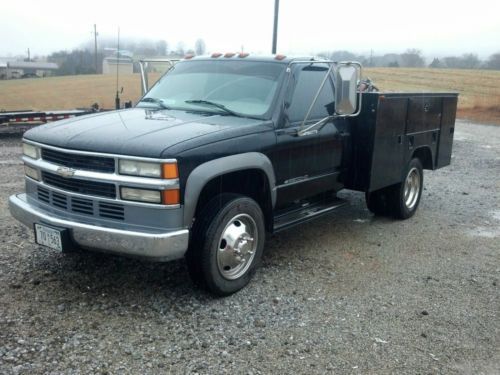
[(411, 141)]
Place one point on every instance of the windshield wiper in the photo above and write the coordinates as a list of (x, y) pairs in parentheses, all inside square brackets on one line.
[(214, 104), (156, 101)]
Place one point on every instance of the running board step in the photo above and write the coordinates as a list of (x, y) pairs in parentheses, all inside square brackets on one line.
[(305, 212)]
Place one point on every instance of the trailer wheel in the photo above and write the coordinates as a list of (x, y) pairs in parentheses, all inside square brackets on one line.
[(227, 244), (407, 193)]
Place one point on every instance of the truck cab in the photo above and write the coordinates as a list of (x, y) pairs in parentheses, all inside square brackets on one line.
[(221, 152)]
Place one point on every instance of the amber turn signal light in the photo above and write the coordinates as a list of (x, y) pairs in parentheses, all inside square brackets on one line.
[(169, 170), (171, 196)]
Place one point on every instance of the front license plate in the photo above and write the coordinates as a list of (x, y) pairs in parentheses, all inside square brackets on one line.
[(49, 237)]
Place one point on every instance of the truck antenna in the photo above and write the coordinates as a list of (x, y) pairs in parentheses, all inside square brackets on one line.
[(117, 97)]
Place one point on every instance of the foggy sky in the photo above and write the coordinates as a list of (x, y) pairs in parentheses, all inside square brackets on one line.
[(436, 27)]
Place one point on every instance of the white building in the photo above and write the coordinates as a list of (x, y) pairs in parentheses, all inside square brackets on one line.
[(24, 69), (123, 64)]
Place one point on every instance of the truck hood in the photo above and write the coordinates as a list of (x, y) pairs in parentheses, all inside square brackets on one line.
[(142, 132)]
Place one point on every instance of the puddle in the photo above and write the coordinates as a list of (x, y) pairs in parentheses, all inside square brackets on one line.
[(485, 232), (360, 220), (488, 232), (496, 215)]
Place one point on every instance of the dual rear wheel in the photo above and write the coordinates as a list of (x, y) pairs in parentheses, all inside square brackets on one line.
[(400, 200)]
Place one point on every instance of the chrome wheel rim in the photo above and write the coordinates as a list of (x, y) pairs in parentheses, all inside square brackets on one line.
[(412, 188), (237, 246)]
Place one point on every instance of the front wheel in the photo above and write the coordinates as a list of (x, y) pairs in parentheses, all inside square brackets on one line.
[(227, 244)]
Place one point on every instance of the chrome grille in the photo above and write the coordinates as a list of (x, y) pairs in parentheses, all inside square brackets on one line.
[(100, 189), (82, 206), (111, 211), (43, 195), (79, 161), (79, 205), (59, 200)]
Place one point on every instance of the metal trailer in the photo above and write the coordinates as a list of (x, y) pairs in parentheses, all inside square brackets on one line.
[(15, 122)]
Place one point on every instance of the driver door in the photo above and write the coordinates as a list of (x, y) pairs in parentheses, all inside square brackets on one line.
[(306, 165)]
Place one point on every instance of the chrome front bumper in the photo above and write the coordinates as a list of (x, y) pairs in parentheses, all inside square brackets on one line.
[(162, 246)]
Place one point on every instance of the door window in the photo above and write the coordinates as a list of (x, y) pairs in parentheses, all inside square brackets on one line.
[(308, 81)]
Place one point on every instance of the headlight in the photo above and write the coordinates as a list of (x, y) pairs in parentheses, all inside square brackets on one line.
[(148, 169), (140, 195), (31, 151), (31, 172), (140, 168)]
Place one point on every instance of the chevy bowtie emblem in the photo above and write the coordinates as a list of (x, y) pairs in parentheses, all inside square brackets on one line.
[(65, 172)]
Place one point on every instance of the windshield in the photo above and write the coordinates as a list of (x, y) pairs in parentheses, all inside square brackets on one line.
[(245, 88)]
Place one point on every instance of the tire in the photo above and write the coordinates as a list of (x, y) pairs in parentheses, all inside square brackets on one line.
[(407, 194), (227, 244), (378, 202), (395, 200)]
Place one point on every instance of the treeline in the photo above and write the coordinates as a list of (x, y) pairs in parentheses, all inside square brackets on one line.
[(82, 60), (413, 58)]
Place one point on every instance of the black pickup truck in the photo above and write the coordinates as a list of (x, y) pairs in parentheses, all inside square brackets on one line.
[(224, 150)]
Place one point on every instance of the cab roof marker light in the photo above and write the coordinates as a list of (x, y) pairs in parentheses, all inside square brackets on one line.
[(279, 57), (188, 56), (229, 54), (243, 54), (216, 54)]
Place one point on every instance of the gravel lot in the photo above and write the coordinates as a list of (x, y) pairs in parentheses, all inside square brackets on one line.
[(348, 293)]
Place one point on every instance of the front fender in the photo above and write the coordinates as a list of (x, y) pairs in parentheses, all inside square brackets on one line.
[(205, 172)]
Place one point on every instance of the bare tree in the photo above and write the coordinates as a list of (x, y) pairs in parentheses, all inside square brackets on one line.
[(339, 55), (161, 48), (181, 49), (200, 47), (494, 61), (412, 58), (466, 61), (452, 62), (470, 61)]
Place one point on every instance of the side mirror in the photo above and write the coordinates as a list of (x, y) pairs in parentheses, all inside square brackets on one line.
[(346, 95)]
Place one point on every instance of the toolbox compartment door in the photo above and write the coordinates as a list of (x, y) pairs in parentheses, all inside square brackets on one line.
[(390, 129), (447, 130), (388, 144), (424, 114)]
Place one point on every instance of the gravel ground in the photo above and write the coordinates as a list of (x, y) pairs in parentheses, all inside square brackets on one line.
[(348, 293)]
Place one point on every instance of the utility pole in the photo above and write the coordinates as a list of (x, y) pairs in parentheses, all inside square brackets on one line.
[(275, 28), (95, 47), (29, 59), (117, 97)]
